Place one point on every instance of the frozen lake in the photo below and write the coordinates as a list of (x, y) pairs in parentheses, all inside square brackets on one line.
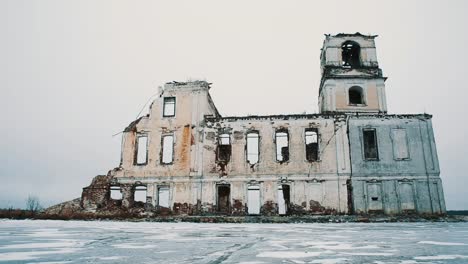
[(121, 242)]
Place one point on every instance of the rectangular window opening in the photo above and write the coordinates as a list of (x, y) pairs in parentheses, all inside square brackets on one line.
[(169, 106), (311, 142), (167, 149), (140, 194), (370, 144), (115, 193), (163, 196), (141, 150), (252, 148), (224, 148), (282, 146)]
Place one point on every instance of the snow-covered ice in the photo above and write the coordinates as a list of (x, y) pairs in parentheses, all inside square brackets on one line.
[(27, 241)]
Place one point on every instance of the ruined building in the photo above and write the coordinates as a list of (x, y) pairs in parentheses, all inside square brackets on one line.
[(350, 158)]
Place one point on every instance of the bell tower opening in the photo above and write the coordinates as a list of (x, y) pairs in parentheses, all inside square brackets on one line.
[(355, 95), (350, 54)]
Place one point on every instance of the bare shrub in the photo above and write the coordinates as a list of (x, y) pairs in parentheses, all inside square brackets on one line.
[(33, 205)]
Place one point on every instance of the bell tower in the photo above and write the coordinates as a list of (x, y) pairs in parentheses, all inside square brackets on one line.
[(352, 81)]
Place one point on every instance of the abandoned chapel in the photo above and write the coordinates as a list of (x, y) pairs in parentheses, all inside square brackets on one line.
[(350, 158)]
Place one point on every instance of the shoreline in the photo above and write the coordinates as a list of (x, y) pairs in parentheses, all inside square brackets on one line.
[(248, 219)]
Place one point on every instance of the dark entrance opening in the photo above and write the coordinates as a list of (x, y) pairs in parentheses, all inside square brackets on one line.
[(224, 193), (286, 197), (350, 196)]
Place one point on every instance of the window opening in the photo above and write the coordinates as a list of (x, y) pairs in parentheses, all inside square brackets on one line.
[(163, 196), (355, 95), (350, 53), (253, 200), (252, 148), (167, 149), (141, 150), (370, 145), (311, 141), (115, 193), (140, 194), (224, 148), (169, 106), (282, 146)]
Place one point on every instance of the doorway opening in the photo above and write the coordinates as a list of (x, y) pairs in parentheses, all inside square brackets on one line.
[(284, 198), (253, 200), (224, 193)]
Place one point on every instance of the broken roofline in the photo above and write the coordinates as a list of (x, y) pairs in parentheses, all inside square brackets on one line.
[(198, 83), (193, 85), (316, 116), (357, 34)]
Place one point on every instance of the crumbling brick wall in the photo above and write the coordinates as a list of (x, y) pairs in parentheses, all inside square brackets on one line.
[(97, 194)]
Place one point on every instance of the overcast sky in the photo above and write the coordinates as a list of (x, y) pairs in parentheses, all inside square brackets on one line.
[(73, 73)]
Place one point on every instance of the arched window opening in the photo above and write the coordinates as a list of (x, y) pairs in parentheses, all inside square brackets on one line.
[(351, 54), (355, 95)]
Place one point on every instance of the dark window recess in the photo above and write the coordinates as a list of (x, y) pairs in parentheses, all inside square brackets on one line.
[(370, 145), (282, 146), (224, 148), (311, 141), (350, 52), (169, 106), (355, 95)]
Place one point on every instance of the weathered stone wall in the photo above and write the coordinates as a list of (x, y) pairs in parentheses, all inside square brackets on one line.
[(411, 184), (97, 194)]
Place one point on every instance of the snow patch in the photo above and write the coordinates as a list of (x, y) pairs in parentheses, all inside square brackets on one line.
[(368, 254), (441, 257), (111, 258), (50, 262), (11, 256), (442, 243), (287, 254), (40, 245), (134, 246), (344, 246), (329, 261)]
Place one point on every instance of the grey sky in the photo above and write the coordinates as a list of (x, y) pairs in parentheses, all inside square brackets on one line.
[(73, 73)]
